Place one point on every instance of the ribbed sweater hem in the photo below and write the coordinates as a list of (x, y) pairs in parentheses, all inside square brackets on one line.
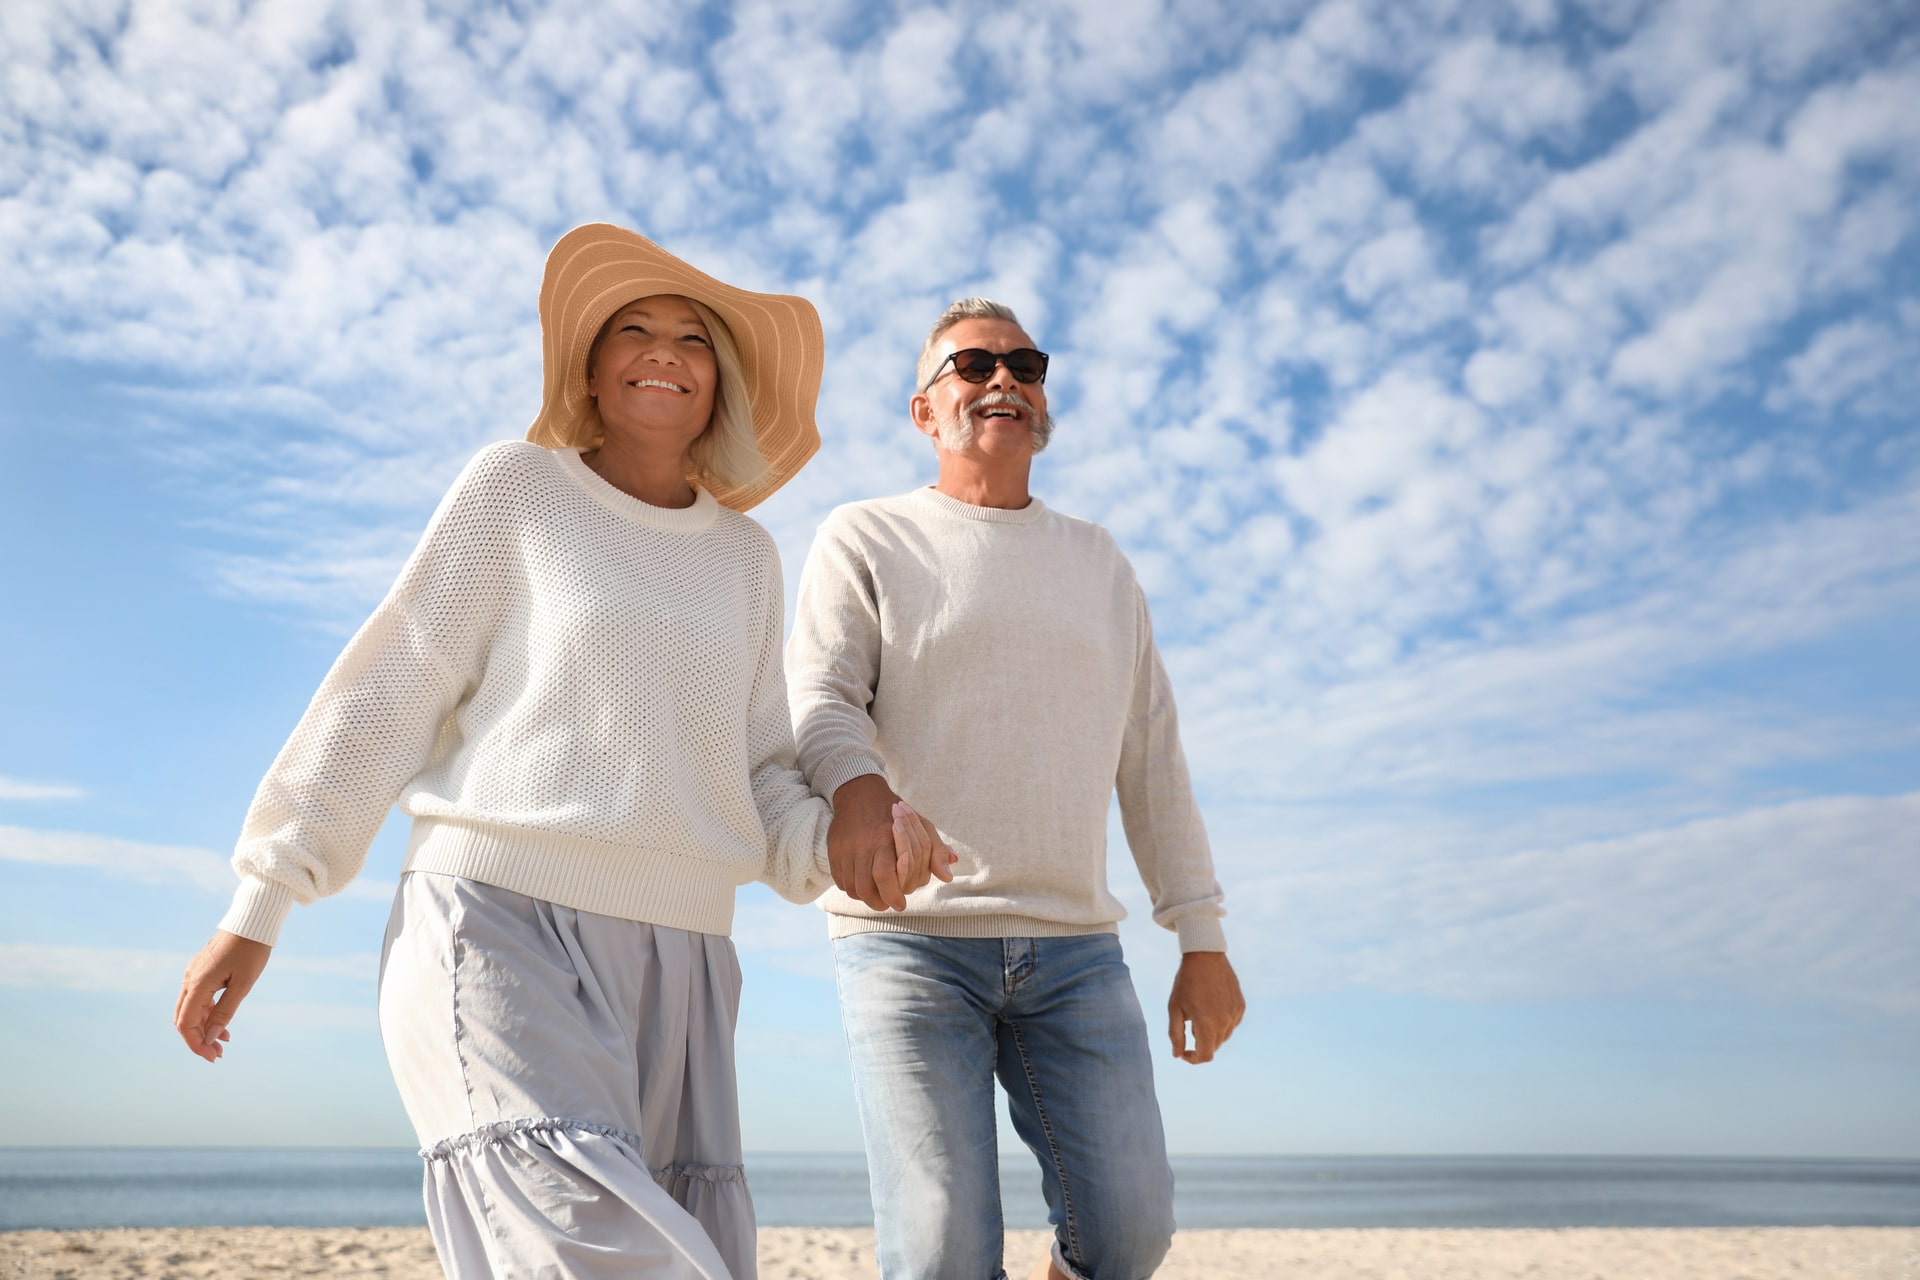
[(967, 926), (632, 884)]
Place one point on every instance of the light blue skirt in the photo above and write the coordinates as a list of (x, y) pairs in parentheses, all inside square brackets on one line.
[(571, 1080)]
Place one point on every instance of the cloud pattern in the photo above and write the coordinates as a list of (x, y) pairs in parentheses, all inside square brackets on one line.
[(1467, 381)]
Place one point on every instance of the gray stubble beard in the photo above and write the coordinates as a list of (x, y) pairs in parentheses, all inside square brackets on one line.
[(956, 430)]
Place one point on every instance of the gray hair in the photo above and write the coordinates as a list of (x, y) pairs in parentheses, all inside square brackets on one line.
[(965, 309), (956, 432)]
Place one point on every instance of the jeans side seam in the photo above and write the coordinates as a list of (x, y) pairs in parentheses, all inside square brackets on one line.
[(1053, 1147)]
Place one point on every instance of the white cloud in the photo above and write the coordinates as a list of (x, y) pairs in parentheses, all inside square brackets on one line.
[(1417, 355), (1727, 232), (37, 967), (1466, 124), (1807, 900), (1333, 209), (144, 863), (1255, 103), (18, 789), (50, 967), (1850, 361), (1673, 44), (1600, 693), (914, 70)]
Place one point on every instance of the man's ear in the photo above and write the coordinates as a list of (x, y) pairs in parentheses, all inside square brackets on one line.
[(920, 409)]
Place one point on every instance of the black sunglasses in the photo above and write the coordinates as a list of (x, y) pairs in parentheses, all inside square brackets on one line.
[(975, 364)]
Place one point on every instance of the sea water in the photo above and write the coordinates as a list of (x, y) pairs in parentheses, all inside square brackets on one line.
[(150, 1187)]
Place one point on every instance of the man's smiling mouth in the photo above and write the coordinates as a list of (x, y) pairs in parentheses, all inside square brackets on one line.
[(999, 405)]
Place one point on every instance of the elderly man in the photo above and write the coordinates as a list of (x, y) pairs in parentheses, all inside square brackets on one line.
[(969, 647)]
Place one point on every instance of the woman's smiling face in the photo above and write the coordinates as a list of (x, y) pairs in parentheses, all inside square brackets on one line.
[(653, 372)]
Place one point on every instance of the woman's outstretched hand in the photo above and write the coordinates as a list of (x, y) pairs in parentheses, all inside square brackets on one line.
[(227, 966)]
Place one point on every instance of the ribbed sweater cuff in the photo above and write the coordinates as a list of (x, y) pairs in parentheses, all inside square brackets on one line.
[(843, 767), (259, 908), (1200, 933)]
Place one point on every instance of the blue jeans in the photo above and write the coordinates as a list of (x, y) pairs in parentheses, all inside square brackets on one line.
[(930, 1023)]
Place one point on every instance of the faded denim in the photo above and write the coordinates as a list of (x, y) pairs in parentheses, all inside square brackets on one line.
[(931, 1023)]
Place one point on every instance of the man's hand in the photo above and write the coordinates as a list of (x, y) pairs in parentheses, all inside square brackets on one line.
[(870, 861), (1207, 994), (228, 963)]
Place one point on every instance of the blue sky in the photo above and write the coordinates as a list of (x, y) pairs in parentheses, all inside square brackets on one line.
[(1510, 408)]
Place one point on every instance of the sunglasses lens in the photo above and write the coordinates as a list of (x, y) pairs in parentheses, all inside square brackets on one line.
[(1026, 364), (975, 364)]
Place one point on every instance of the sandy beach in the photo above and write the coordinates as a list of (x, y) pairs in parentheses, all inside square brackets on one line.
[(820, 1253)]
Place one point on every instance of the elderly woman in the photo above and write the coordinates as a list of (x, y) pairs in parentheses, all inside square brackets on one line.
[(575, 689)]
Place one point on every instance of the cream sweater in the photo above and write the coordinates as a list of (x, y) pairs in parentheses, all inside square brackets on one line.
[(998, 667), (577, 696)]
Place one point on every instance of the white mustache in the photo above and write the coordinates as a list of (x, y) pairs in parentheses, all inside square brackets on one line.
[(1000, 400)]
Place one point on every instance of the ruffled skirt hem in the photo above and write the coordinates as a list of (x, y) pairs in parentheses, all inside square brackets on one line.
[(554, 1197)]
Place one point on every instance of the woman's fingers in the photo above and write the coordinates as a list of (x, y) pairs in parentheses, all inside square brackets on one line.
[(226, 968), (194, 1009), (886, 868), (940, 854), (943, 856), (933, 859), (918, 855), (915, 849)]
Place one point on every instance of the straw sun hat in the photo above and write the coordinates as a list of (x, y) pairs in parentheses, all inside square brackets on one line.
[(597, 269)]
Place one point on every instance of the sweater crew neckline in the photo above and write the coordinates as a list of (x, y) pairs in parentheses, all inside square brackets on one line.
[(986, 515), (691, 519)]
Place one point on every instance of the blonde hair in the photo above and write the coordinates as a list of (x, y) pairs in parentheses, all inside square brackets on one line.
[(728, 451)]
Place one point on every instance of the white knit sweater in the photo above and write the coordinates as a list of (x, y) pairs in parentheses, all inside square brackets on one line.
[(577, 695), (998, 667)]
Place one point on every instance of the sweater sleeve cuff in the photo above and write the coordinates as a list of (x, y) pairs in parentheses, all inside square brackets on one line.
[(822, 864), (1201, 932), (259, 907), (843, 767)]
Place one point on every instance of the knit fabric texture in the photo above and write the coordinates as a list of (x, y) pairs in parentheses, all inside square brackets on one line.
[(998, 668), (577, 695)]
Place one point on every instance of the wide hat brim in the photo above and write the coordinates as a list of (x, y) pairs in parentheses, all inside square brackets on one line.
[(595, 270)]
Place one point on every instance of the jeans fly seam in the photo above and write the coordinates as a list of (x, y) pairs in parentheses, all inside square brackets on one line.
[(1053, 1147), (1012, 975)]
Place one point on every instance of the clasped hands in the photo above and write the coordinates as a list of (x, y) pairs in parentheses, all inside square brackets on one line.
[(880, 849)]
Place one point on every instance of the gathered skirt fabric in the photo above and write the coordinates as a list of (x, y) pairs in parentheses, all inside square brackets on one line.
[(570, 1077)]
